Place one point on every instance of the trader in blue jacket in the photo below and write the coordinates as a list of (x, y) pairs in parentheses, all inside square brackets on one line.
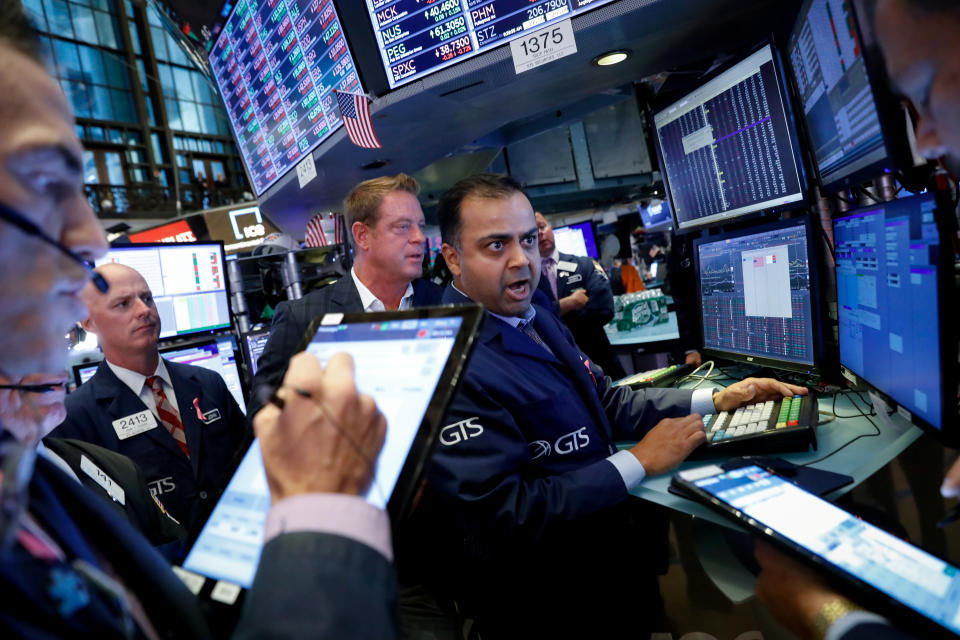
[(184, 444), (544, 533)]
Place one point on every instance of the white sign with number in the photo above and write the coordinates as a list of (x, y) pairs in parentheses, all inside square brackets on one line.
[(542, 47), (306, 170)]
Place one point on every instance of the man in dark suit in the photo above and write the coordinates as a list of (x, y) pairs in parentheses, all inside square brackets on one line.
[(583, 297), (178, 422), (69, 566), (528, 469), (386, 224)]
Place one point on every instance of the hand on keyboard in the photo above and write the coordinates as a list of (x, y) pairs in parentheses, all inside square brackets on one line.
[(753, 390), (669, 443)]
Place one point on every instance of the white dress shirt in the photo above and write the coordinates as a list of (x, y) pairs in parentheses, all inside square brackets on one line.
[(372, 303), (138, 384)]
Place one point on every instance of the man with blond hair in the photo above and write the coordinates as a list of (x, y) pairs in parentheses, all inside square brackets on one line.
[(386, 227)]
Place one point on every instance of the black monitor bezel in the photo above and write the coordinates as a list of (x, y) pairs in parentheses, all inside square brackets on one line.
[(77, 381), (895, 143), (947, 294), (799, 157), (817, 319), (226, 282)]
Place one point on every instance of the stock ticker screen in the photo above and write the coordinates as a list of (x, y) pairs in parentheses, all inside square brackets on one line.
[(418, 37), (277, 63), (727, 147), (755, 295), (826, 57)]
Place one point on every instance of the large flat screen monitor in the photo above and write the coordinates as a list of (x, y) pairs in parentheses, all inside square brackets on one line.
[(837, 95), (894, 281), (188, 282), (759, 299), (729, 147), (277, 63), (577, 239), (218, 355), (419, 37), (656, 215)]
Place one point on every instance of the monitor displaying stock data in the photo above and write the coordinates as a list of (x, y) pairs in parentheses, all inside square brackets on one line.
[(826, 58), (729, 147), (188, 282), (889, 305), (418, 37), (277, 63), (757, 295)]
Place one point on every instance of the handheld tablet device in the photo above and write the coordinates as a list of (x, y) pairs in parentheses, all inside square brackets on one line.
[(410, 362), (906, 583)]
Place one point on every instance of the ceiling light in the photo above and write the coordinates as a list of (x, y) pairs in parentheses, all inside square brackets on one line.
[(610, 58)]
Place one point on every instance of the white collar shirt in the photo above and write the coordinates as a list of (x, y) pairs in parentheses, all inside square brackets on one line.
[(370, 302)]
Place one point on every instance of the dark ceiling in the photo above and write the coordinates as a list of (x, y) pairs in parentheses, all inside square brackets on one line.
[(454, 122)]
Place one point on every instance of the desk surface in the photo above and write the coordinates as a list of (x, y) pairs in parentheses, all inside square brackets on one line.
[(668, 330), (861, 459)]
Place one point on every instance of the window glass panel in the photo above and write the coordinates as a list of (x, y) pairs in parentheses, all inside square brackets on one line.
[(158, 156), (189, 117), (107, 27), (92, 63), (90, 175), (200, 90), (96, 133), (209, 120), (151, 113), (153, 17), (184, 86), (159, 37), (166, 80), (114, 167), (115, 136), (68, 60), (100, 102), (81, 133), (216, 169), (117, 74), (78, 97), (34, 10), (85, 3), (181, 160), (123, 106), (173, 114), (129, 8), (105, 5), (176, 52), (139, 174), (192, 144), (59, 18), (83, 23), (135, 38), (135, 156), (205, 146)]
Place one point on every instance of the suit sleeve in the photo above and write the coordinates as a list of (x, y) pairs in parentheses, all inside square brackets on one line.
[(490, 473), (285, 335), (320, 585), (633, 412)]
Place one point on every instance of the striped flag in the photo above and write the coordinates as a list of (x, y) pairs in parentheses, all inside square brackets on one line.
[(315, 236), (355, 112)]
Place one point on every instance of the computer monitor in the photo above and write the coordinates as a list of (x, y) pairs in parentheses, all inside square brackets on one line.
[(759, 299), (577, 239), (894, 287), (217, 355), (835, 88), (656, 215), (188, 281), (277, 65), (253, 343), (729, 147)]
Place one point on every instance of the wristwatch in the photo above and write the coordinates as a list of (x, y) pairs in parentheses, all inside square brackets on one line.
[(830, 613)]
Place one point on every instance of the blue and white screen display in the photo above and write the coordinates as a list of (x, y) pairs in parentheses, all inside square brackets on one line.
[(888, 306), (919, 580), (399, 363)]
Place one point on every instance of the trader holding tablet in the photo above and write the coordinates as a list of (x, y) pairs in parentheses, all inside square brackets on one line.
[(553, 544)]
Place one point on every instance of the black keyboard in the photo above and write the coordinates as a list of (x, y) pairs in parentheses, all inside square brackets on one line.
[(775, 426), (662, 377)]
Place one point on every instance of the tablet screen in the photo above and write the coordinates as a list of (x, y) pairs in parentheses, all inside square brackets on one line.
[(399, 363), (910, 575)]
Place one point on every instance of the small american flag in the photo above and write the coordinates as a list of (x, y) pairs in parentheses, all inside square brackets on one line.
[(355, 111), (315, 236)]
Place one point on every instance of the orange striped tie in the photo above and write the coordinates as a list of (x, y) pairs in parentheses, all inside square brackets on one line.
[(168, 415)]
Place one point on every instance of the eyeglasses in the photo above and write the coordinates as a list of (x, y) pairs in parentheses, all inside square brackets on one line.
[(18, 220)]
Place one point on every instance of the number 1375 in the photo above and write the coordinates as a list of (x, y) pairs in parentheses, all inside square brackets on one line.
[(535, 44)]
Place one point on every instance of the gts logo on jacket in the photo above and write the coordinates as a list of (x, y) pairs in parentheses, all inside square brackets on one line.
[(565, 444), (460, 431)]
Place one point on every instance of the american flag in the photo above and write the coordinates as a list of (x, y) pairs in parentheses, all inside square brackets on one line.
[(355, 112), (315, 236)]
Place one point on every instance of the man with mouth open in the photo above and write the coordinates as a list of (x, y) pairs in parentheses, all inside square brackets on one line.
[(178, 422), (545, 539), (386, 225)]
